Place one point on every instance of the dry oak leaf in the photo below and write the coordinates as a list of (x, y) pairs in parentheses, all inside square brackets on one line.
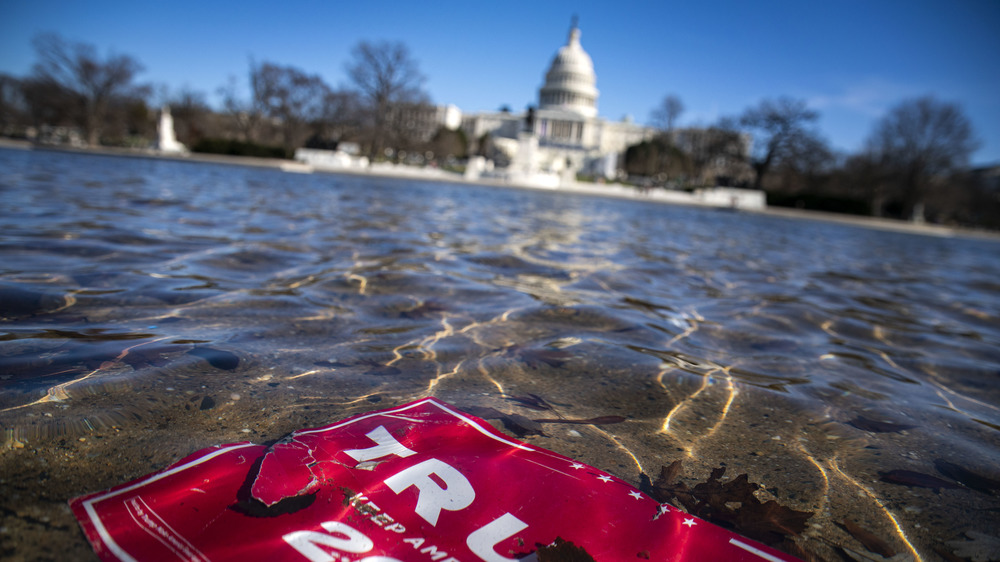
[(870, 541), (770, 522)]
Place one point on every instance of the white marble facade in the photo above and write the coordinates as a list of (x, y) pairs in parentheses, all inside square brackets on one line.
[(571, 136)]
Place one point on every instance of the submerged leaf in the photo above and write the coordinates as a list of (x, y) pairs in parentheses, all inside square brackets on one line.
[(521, 425), (217, 358), (919, 479), (851, 554), (965, 476), (531, 401), (876, 426), (515, 423), (768, 522), (668, 487), (868, 539)]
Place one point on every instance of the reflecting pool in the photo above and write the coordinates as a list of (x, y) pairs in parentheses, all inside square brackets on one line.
[(151, 308)]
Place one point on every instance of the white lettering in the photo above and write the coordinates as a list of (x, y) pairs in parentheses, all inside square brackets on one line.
[(386, 445), (432, 498), (432, 551), (416, 542), (308, 542), (483, 540)]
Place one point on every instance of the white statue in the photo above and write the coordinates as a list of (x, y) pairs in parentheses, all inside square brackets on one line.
[(167, 142)]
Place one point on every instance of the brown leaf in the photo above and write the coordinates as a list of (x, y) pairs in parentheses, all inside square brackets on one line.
[(868, 539), (716, 501), (668, 487), (919, 479), (515, 423), (770, 522), (531, 401), (521, 425), (378, 369), (965, 476), (717, 494), (875, 426)]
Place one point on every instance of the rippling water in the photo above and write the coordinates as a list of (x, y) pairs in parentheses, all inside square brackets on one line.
[(150, 308)]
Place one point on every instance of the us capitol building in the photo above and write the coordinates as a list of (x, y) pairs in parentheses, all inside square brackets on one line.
[(550, 145), (564, 135)]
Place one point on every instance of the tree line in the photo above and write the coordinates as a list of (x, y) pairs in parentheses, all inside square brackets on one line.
[(913, 165), (72, 89)]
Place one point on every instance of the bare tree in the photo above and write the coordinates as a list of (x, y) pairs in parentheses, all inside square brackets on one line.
[(95, 82), (779, 129), (13, 106), (917, 144), (388, 79), (718, 154), (291, 98), (665, 115), (805, 157), (341, 119), (246, 113), (191, 112)]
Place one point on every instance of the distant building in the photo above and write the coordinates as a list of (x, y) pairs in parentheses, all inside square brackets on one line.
[(571, 137), (565, 136)]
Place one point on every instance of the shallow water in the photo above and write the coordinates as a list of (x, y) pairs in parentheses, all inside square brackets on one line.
[(150, 308)]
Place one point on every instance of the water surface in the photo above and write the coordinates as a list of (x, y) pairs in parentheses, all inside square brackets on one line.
[(150, 308)]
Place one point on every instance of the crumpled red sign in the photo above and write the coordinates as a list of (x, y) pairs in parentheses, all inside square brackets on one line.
[(423, 482)]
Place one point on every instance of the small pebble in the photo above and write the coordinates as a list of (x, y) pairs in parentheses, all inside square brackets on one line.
[(245, 430)]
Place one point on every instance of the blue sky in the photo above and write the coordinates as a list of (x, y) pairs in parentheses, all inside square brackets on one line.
[(851, 60)]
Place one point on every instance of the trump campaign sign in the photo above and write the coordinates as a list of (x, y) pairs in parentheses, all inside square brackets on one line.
[(422, 482)]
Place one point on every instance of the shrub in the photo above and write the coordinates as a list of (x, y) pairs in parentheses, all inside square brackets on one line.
[(238, 148)]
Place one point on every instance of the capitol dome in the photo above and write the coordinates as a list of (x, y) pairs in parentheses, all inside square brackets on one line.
[(570, 83)]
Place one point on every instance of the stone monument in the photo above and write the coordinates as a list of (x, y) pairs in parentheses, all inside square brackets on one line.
[(167, 141)]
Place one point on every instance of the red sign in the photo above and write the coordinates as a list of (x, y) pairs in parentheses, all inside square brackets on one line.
[(423, 482)]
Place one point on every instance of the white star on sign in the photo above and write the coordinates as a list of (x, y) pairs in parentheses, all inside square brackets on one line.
[(635, 495), (576, 465), (689, 522), (604, 478)]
